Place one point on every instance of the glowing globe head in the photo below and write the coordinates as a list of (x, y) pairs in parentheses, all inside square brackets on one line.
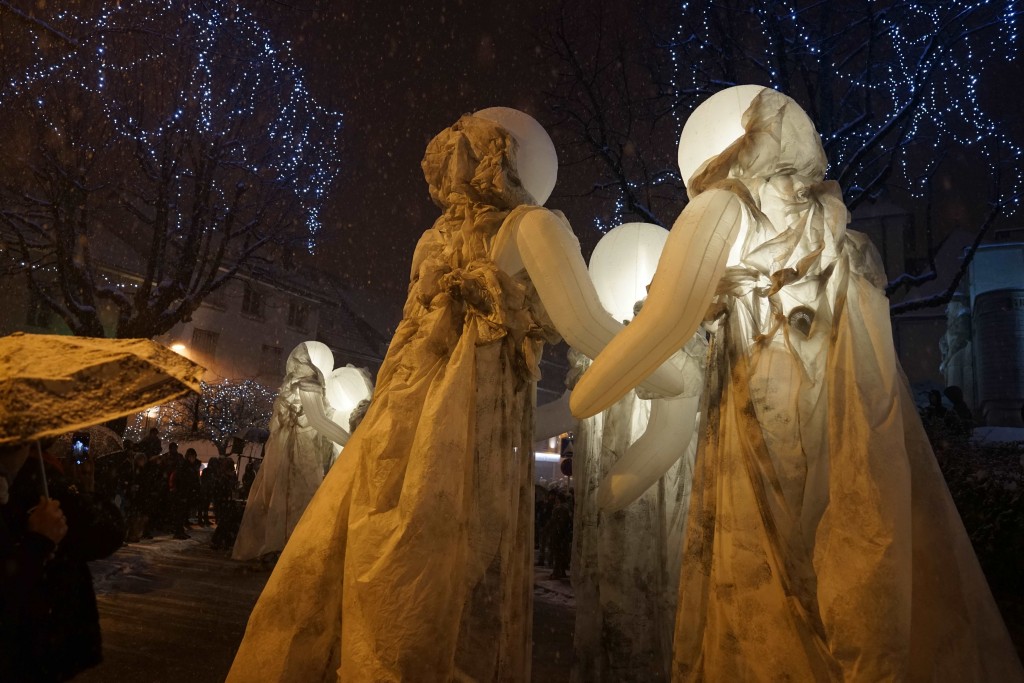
[(623, 264), (319, 355), (346, 387), (536, 160), (714, 125)]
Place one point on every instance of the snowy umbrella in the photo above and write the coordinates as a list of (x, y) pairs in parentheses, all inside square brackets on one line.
[(52, 384)]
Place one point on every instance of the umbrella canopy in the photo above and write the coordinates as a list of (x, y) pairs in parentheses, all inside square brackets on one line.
[(51, 384)]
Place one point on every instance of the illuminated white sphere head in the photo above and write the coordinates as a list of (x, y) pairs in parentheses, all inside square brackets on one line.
[(713, 126), (346, 387), (536, 160), (319, 354), (623, 264)]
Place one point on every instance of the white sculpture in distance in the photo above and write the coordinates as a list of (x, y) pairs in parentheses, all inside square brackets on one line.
[(414, 559), (622, 266), (347, 387), (626, 556), (822, 543), (301, 433)]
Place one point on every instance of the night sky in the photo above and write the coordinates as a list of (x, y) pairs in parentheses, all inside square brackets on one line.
[(401, 73)]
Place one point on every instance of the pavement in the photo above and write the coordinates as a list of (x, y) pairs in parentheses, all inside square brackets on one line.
[(175, 610)]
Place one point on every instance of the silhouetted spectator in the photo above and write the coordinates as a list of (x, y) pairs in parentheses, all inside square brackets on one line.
[(541, 514), (153, 495), (174, 464), (224, 482), (151, 445), (207, 476), (934, 412), (560, 536), (131, 482), (29, 534), (960, 418), (248, 478), (188, 482)]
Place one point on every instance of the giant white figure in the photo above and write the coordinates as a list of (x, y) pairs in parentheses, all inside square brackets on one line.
[(301, 433), (414, 560), (626, 556), (822, 543), (347, 388)]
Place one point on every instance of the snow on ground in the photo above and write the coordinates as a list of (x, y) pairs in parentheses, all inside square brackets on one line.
[(997, 434), (552, 591), (131, 566)]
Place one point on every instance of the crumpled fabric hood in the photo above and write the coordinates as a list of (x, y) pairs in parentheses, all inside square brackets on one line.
[(472, 162)]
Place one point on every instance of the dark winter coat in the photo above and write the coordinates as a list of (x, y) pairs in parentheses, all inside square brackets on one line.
[(59, 628), (23, 556)]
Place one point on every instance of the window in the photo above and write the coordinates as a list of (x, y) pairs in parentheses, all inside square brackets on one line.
[(38, 312), (252, 301), (270, 360), (298, 313), (204, 342)]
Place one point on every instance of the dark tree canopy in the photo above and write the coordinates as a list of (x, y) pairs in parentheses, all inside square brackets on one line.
[(890, 85), (897, 90), (151, 151)]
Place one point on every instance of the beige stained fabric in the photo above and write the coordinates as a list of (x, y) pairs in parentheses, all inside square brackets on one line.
[(822, 543), (413, 561), (625, 564)]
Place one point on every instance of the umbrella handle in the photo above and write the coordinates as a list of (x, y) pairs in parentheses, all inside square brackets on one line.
[(42, 470)]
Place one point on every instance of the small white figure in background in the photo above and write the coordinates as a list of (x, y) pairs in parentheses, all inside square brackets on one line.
[(348, 389), (301, 435), (632, 491)]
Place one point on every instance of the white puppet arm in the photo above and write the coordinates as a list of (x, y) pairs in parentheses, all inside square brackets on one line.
[(551, 255), (692, 263), (315, 410), (666, 439)]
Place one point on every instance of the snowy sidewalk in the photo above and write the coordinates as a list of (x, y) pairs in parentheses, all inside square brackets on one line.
[(558, 591)]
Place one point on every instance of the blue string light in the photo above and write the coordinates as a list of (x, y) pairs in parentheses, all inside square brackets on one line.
[(125, 43), (226, 408), (908, 72)]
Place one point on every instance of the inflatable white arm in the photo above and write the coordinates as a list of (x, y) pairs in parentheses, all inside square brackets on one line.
[(553, 419), (315, 410), (551, 255), (688, 272), (668, 435)]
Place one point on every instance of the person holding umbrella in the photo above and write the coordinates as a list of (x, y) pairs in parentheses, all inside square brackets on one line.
[(49, 385), (57, 621), (24, 554)]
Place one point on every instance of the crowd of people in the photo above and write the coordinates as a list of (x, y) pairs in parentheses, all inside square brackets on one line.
[(553, 520), (170, 492), (947, 426), (49, 531)]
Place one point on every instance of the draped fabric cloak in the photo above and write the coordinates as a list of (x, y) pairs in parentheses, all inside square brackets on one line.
[(413, 561), (822, 543), (625, 564), (292, 469)]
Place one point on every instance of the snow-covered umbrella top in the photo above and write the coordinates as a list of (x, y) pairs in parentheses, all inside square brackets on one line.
[(51, 384)]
